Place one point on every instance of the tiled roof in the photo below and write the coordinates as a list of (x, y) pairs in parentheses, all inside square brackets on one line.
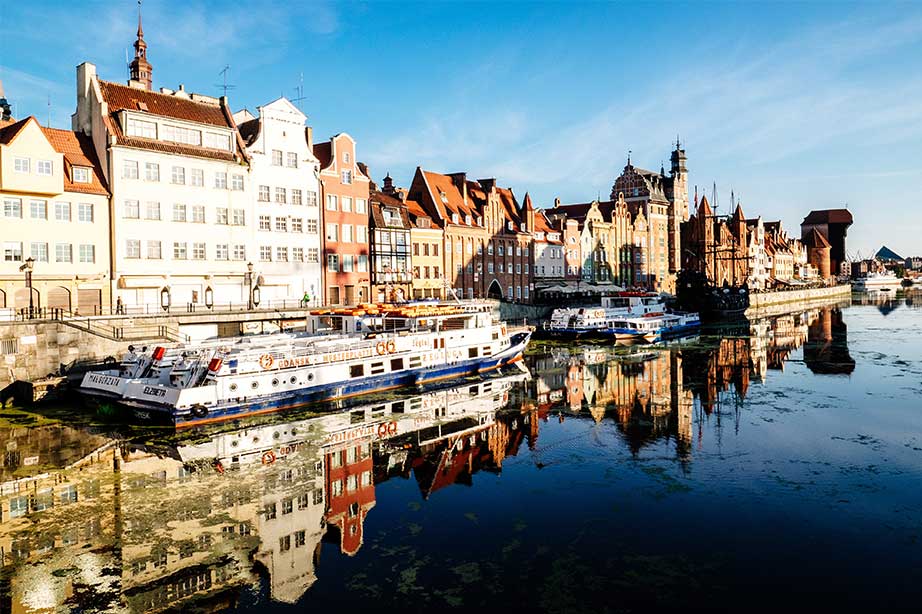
[(454, 201), (249, 131), (324, 152), (378, 200), (579, 211), (78, 150), (829, 216), (543, 225), (9, 131), (416, 212), (120, 97)]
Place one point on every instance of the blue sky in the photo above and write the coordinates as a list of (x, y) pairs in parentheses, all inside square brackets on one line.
[(792, 105)]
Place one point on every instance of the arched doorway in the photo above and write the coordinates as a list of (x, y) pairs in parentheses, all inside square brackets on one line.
[(495, 291), (89, 301), (21, 299), (59, 298)]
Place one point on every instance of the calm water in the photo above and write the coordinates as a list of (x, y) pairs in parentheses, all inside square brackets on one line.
[(777, 464)]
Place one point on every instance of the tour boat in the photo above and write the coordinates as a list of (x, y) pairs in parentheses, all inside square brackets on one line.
[(377, 348), (881, 282), (652, 327), (577, 322)]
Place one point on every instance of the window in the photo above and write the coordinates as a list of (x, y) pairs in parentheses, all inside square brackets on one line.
[(85, 212), (281, 254), (239, 218), (311, 198), (198, 251), (237, 182), (265, 222), (295, 196), (509, 292), (348, 262), (220, 181), (347, 204), (361, 233), (214, 140), (276, 157), (179, 175), (63, 252), (312, 226), (300, 536), (270, 511), (152, 211), (346, 156), (188, 136), (280, 195), (265, 253), (332, 232), (263, 194), (38, 209), (179, 250), (360, 205), (132, 210), (198, 214), (363, 264), (22, 165), (347, 177), (281, 224), (139, 127), (87, 253), (347, 233), (332, 262), (154, 251), (80, 174), (285, 542), (130, 169), (221, 216), (197, 177), (297, 224), (12, 251), (291, 160), (44, 167), (39, 252), (336, 488), (489, 267), (12, 207), (221, 252), (518, 292), (179, 212), (313, 255), (19, 506), (240, 252), (331, 202), (297, 254)]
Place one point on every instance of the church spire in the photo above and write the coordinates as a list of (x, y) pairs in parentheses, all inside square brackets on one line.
[(140, 68)]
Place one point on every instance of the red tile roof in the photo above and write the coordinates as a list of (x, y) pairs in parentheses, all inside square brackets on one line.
[(543, 225), (10, 131), (78, 150), (324, 152), (416, 212), (454, 201), (829, 216)]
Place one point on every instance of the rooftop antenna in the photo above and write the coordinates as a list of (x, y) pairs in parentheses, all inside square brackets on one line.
[(300, 92), (49, 112), (225, 85), (628, 157), (714, 203)]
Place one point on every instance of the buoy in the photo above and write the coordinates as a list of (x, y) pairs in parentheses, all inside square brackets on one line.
[(268, 457)]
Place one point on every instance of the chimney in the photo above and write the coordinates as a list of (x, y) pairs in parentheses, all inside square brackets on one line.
[(460, 181)]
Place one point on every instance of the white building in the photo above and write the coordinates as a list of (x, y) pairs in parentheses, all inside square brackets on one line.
[(284, 193), (760, 267), (549, 250)]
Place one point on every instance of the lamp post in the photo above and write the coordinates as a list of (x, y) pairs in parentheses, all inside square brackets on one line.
[(27, 269), (249, 281)]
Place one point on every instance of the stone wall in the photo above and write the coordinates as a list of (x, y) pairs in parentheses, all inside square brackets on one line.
[(761, 302)]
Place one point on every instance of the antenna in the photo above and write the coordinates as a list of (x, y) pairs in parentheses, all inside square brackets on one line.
[(300, 91), (225, 85), (714, 203), (49, 111)]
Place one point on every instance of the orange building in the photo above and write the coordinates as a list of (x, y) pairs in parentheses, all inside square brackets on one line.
[(345, 190)]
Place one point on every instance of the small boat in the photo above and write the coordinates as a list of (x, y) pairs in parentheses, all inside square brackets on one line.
[(653, 327), (578, 322), (883, 282)]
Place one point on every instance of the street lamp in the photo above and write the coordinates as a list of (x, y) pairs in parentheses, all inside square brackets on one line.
[(27, 269), (249, 282)]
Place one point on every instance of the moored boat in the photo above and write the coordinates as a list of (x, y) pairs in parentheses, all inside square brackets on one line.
[(882, 282), (652, 327), (577, 322)]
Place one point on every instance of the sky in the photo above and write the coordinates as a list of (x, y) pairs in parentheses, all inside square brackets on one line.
[(791, 106)]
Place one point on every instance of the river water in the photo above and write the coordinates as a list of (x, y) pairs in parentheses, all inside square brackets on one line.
[(776, 464)]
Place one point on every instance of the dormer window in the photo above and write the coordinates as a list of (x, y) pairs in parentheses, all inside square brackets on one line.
[(423, 222), (467, 220), (139, 127), (510, 226), (80, 174), (444, 198), (455, 218), (479, 221)]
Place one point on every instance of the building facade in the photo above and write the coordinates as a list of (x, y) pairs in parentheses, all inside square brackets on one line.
[(55, 221), (391, 264), (345, 192), (427, 240), (284, 193), (549, 251)]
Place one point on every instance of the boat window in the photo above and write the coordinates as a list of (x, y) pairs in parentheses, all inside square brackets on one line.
[(396, 364), (415, 361), (495, 336), (473, 391), (472, 352), (487, 351), (357, 417), (357, 370), (377, 367), (254, 385), (397, 408)]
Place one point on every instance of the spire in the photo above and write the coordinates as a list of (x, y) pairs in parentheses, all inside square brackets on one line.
[(140, 69), (5, 109)]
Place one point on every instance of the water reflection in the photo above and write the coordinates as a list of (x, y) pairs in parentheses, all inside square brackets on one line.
[(93, 522)]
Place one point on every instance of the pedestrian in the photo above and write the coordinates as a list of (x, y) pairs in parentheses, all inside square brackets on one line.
[(306, 299), (119, 307)]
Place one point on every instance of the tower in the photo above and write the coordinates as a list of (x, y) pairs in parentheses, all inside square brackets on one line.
[(680, 181), (141, 70)]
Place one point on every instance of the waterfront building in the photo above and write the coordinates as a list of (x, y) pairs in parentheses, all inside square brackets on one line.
[(427, 239), (833, 225), (284, 195), (345, 195), (177, 171), (55, 220), (718, 246), (759, 269), (487, 234), (819, 254), (913, 263), (391, 263), (549, 252)]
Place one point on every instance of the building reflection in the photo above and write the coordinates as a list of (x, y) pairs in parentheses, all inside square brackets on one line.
[(98, 522)]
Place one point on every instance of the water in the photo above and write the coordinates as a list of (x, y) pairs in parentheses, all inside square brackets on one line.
[(771, 465)]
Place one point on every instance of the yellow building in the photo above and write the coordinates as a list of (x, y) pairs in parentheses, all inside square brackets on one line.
[(427, 239), (55, 219)]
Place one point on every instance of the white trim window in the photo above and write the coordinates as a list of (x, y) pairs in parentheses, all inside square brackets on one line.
[(179, 250), (276, 157), (220, 180), (197, 177), (63, 252), (332, 262), (281, 254), (85, 212), (347, 204), (151, 171), (240, 252), (297, 224), (179, 212), (281, 195), (296, 196), (80, 174), (39, 252), (221, 252), (239, 217), (154, 250), (237, 183), (348, 263), (129, 169), (178, 134), (361, 233), (313, 255), (347, 233), (265, 253), (87, 253), (221, 216), (198, 251), (12, 251), (178, 176), (331, 202), (131, 210), (332, 232), (281, 224), (363, 264), (38, 209), (311, 226), (139, 127), (265, 222), (198, 214), (12, 207), (45, 167), (346, 177), (263, 194), (291, 159), (297, 254), (22, 165), (311, 198)]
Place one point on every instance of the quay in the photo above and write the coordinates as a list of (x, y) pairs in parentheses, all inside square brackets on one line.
[(763, 304)]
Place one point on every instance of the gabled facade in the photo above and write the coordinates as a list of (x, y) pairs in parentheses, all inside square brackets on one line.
[(549, 250), (345, 192), (284, 194), (55, 212), (391, 262), (428, 259)]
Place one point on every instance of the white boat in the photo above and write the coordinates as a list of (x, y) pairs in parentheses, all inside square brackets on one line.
[(390, 347), (881, 282), (652, 327), (587, 321)]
